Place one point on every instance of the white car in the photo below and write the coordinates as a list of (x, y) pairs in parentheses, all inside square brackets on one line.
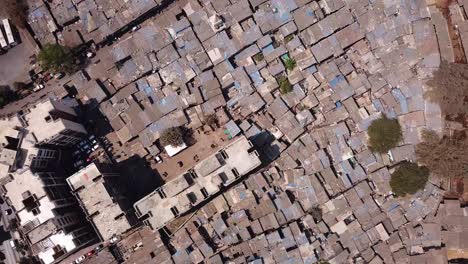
[(114, 239), (80, 259), (38, 87), (158, 159), (59, 75)]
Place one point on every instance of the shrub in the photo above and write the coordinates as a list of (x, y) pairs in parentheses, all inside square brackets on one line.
[(384, 134), (288, 38), (408, 178), (290, 64), (445, 157), (56, 58), (19, 86), (173, 136), (275, 43), (258, 57), (316, 213), (284, 84), (301, 107), (211, 120)]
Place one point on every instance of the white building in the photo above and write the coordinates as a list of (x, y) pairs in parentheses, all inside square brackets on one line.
[(18, 148), (42, 203), (46, 213), (100, 197), (53, 122)]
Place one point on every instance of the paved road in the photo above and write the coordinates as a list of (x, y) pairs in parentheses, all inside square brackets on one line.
[(53, 88), (11, 256)]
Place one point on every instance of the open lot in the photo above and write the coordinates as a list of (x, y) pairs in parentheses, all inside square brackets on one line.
[(14, 65)]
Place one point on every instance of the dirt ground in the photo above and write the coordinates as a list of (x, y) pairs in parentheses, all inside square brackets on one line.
[(206, 144), (459, 53)]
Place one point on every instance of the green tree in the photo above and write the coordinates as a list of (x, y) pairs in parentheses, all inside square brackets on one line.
[(408, 178), (28, 260), (284, 84), (173, 136), (384, 134), (258, 57), (288, 38), (56, 58), (290, 64)]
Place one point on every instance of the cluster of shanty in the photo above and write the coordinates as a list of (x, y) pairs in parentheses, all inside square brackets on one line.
[(295, 84)]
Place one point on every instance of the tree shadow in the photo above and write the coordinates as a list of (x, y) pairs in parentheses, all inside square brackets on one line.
[(7, 95)]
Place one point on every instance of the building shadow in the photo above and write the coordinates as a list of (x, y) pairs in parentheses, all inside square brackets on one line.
[(266, 145), (93, 119), (138, 177)]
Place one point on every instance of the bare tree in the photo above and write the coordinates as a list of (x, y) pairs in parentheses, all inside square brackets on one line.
[(17, 11), (173, 136), (449, 88), (445, 157), (211, 120)]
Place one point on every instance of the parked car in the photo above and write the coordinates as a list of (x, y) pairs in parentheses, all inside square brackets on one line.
[(80, 259), (158, 159), (99, 248), (135, 28), (59, 75), (38, 87), (78, 163)]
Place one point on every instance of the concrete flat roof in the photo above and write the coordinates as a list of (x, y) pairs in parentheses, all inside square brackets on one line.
[(43, 129), (188, 190), (92, 191)]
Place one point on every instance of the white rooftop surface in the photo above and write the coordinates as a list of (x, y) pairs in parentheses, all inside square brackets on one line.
[(178, 190), (172, 151), (27, 181), (95, 198), (3, 170), (7, 128), (46, 213), (28, 144), (42, 129), (62, 239), (24, 181)]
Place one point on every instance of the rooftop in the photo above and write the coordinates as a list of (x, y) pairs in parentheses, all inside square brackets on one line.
[(195, 185), (43, 120), (96, 194)]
